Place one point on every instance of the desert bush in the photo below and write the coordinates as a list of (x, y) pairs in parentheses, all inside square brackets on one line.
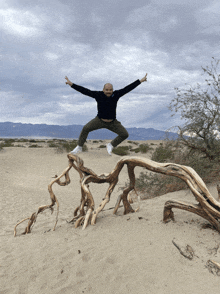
[(52, 145), (8, 143), (102, 146), (23, 140), (9, 140), (143, 148), (124, 150), (132, 142), (68, 146), (153, 184), (35, 146), (208, 170), (121, 150), (199, 108), (164, 152), (136, 150)]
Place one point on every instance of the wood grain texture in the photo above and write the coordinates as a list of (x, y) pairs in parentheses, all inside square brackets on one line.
[(206, 206)]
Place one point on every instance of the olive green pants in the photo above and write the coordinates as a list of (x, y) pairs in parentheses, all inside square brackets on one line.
[(96, 124)]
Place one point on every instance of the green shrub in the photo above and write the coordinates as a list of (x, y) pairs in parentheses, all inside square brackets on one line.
[(152, 184), (52, 145), (155, 184), (68, 146), (208, 170), (121, 150), (102, 146), (8, 143), (136, 150), (144, 148), (163, 153), (132, 142), (23, 140), (9, 140), (35, 146)]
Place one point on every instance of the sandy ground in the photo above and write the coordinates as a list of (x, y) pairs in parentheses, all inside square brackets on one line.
[(121, 254)]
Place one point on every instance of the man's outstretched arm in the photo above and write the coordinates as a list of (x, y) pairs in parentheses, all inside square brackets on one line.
[(68, 81), (131, 86), (144, 79), (81, 89)]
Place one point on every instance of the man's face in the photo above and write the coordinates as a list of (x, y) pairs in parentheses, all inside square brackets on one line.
[(108, 90)]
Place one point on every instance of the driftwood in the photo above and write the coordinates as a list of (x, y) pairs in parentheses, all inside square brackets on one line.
[(187, 252), (207, 207), (213, 267)]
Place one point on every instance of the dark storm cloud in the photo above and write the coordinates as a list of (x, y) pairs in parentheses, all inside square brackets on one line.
[(98, 42)]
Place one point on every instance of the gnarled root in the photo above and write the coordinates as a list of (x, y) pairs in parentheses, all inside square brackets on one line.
[(213, 267), (31, 219), (187, 252), (194, 208), (207, 206), (54, 200)]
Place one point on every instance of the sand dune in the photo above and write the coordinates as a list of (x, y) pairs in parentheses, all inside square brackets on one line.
[(130, 253)]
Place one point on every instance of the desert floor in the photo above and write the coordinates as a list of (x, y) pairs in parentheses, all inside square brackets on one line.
[(130, 253)]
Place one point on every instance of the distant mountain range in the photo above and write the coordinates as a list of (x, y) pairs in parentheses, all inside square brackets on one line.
[(9, 129)]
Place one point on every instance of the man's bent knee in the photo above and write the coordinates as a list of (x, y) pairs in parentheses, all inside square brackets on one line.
[(86, 129), (125, 135)]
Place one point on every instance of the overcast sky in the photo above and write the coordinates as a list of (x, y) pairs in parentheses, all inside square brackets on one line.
[(98, 41)]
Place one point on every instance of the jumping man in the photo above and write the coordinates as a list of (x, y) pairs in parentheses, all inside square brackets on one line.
[(106, 117)]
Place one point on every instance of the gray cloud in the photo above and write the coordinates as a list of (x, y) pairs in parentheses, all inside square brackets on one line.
[(107, 41)]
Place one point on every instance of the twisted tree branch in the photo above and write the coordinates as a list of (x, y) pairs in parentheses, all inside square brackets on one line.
[(207, 206)]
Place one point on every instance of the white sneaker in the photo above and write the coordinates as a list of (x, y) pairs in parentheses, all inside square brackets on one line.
[(109, 148), (76, 150)]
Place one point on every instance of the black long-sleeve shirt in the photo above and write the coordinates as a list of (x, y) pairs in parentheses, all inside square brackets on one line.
[(106, 105)]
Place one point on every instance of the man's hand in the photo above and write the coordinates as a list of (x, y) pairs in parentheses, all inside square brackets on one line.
[(144, 79), (68, 81)]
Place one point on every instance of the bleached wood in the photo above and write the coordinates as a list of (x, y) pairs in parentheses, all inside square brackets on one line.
[(207, 206)]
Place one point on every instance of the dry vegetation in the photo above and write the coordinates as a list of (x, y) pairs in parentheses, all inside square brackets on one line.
[(59, 144), (152, 184), (148, 184), (208, 207)]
